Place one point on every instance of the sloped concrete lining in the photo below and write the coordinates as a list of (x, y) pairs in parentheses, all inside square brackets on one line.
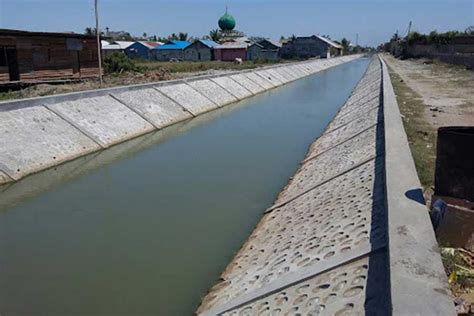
[(189, 98), (290, 72), (327, 245), (104, 119), (35, 138), (265, 83), (232, 87), (284, 74), (155, 107), (4, 178), (213, 91), (418, 281), (275, 82), (54, 129), (299, 71), (247, 83), (277, 75), (320, 167)]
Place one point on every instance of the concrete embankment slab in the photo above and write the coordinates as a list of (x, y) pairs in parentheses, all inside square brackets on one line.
[(290, 72), (213, 91), (232, 87), (273, 72), (265, 83), (34, 138), (284, 74), (4, 178), (155, 107), (104, 119), (247, 83), (190, 99), (298, 70), (275, 82), (331, 163), (343, 133), (353, 114)]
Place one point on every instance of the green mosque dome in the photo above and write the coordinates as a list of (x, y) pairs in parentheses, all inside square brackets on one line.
[(227, 22)]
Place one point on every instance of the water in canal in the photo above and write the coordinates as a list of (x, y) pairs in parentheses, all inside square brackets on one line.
[(145, 228)]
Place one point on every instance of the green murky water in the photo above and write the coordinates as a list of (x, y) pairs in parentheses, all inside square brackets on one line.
[(146, 227)]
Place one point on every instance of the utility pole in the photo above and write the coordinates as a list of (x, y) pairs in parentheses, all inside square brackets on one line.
[(409, 29), (97, 33), (357, 39)]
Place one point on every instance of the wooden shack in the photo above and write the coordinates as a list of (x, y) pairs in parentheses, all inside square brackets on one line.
[(43, 56)]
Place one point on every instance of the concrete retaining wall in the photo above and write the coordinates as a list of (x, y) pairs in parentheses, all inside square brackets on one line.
[(39, 133), (343, 237)]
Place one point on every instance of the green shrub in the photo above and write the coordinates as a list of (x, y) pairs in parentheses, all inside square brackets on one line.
[(118, 63)]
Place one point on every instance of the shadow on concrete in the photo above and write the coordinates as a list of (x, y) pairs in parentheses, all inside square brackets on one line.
[(415, 195), (378, 277)]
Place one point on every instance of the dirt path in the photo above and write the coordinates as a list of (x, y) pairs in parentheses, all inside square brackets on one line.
[(447, 91)]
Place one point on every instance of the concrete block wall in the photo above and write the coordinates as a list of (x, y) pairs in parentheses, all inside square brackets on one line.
[(342, 238), (39, 133)]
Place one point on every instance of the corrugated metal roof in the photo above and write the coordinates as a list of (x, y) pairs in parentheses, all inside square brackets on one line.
[(174, 45), (209, 43), (277, 44), (232, 45), (11, 32), (149, 45), (122, 44), (329, 41), (112, 47)]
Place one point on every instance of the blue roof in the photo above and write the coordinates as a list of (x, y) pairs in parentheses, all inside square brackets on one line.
[(209, 43), (174, 45)]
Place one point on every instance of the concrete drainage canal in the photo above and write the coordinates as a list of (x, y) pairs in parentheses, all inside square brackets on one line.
[(146, 226)]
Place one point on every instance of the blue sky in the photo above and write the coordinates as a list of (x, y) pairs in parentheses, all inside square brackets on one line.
[(375, 20)]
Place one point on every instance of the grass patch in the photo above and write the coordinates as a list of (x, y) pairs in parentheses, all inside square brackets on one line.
[(193, 66), (421, 135)]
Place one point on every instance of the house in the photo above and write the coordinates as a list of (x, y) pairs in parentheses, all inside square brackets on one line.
[(141, 50), (171, 50), (200, 50), (229, 51), (264, 49), (40, 56), (310, 46), (116, 46)]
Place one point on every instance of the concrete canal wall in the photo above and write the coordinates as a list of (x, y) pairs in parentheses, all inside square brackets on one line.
[(39, 133), (348, 234)]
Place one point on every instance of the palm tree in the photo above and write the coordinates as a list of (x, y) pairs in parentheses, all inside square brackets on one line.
[(215, 35), (89, 31), (182, 36), (345, 45)]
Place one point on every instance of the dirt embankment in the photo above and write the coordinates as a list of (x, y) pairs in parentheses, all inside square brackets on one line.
[(430, 94), (446, 90)]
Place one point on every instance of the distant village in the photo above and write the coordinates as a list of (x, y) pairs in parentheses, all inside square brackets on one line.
[(229, 45), (29, 56)]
